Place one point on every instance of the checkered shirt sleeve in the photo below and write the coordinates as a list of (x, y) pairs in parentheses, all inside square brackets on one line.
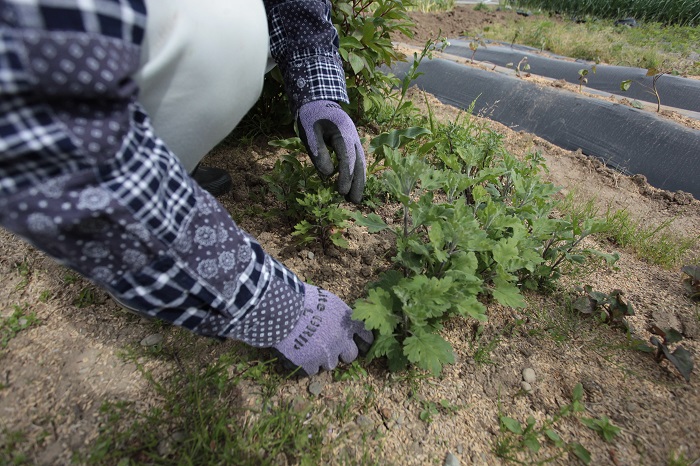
[(304, 43), (84, 178)]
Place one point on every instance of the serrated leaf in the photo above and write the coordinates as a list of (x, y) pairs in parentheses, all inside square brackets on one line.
[(428, 351), (507, 294), (512, 425), (389, 347), (372, 221), (377, 311)]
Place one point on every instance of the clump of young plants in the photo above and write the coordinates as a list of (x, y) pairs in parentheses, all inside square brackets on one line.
[(475, 225), (324, 219), (609, 309), (517, 440), (680, 358)]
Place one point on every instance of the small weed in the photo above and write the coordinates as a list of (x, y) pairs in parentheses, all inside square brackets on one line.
[(482, 353), (606, 429), (10, 447), (86, 297), (19, 320), (517, 440), (430, 409), (70, 277), (352, 372), (45, 295), (24, 272)]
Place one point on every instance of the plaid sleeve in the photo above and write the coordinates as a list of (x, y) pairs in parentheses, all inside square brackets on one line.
[(84, 178), (304, 43)]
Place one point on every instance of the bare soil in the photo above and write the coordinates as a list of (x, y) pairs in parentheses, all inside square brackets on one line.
[(56, 375)]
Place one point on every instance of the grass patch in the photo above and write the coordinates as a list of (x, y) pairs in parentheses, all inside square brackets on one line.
[(203, 419), (428, 6), (686, 12), (656, 244), (651, 45)]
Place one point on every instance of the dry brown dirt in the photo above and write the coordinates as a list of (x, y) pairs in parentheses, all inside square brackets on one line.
[(55, 375)]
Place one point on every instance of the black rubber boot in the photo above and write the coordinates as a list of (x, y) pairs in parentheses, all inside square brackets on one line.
[(215, 180)]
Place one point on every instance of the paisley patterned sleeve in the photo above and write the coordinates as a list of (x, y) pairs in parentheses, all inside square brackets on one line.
[(84, 178)]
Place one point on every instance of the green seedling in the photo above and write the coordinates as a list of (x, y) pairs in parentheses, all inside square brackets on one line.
[(518, 439), (606, 429), (20, 319), (86, 297), (655, 75), (583, 76), (324, 219)]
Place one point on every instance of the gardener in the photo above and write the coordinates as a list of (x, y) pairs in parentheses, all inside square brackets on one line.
[(84, 177)]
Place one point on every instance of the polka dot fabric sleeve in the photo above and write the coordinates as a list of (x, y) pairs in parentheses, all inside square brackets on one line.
[(304, 43), (84, 178)]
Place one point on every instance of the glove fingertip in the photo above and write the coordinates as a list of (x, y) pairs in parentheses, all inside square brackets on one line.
[(363, 344)]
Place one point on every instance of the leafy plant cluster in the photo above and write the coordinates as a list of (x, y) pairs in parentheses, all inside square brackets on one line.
[(366, 29), (474, 224), (611, 309), (518, 439)]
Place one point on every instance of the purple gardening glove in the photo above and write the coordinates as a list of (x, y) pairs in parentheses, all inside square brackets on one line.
[(323, 122), (324, 333)]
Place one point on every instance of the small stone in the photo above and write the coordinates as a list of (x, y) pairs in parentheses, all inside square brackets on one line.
[(451, 460), (366, 272), (310, 255), (526, 386), (364, 422), (178, 436), (529, 375), (315, 388), (152, 340), (386, 413), (460, 449)]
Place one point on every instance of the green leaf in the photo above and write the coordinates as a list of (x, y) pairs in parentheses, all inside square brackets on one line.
[(553, 436), (389, 346), (428, 351), (578, 392), (356, 62), (507, 294), (532, 443), (377, 311), (398, 138), (625, 85), (372, 221), (580, 452), (512, 425)]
